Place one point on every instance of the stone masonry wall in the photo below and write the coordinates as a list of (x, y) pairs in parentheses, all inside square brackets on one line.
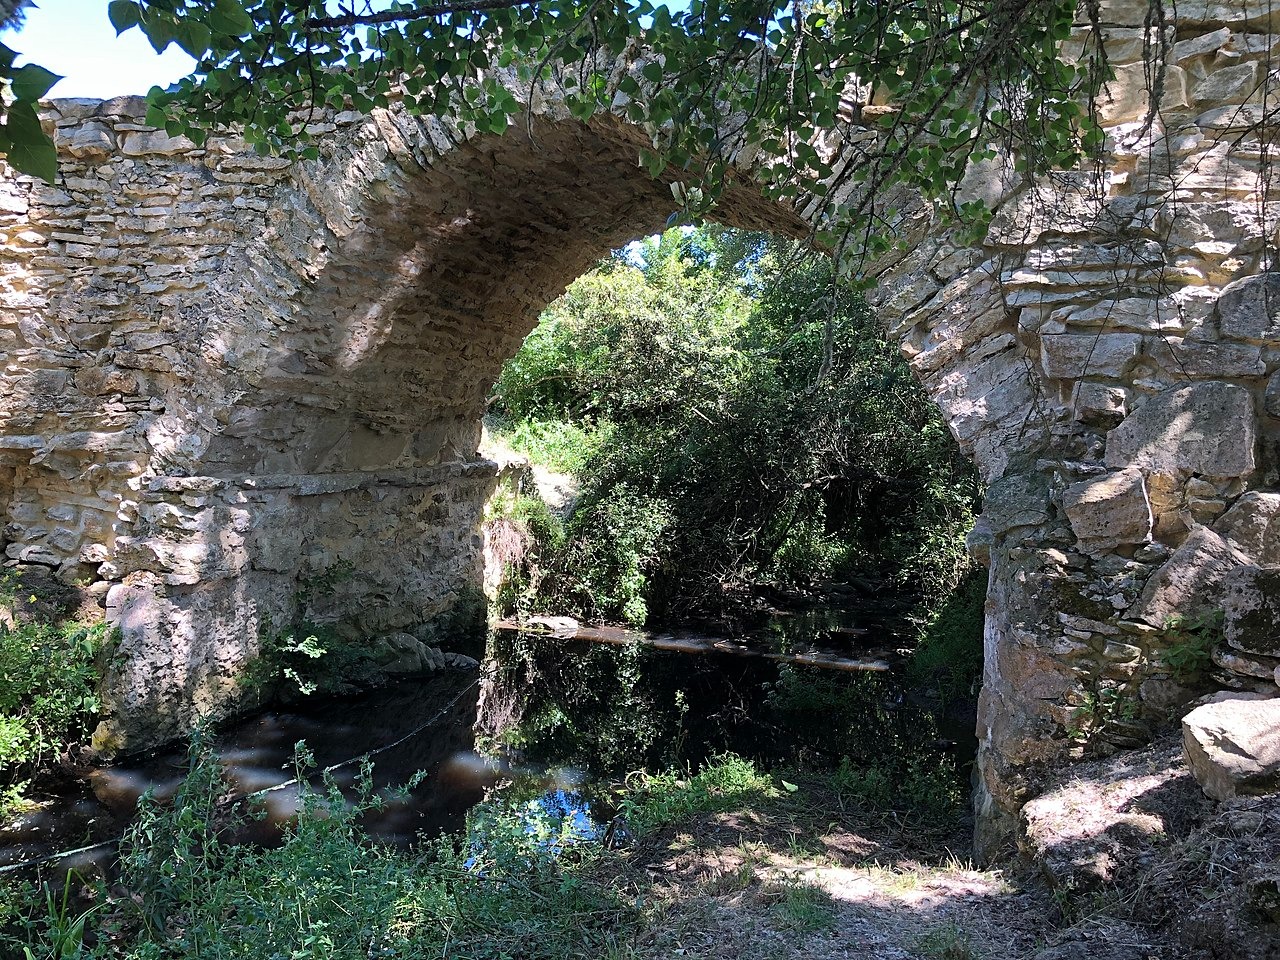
[(1111, 357), (227, 379)]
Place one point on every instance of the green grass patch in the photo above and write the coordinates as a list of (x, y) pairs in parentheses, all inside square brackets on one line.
[(801, 907), (564, 446), (726, 783)]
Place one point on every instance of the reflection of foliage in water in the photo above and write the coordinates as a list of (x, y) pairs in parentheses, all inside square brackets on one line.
[(613, 710), (885, 748), (606, 710)]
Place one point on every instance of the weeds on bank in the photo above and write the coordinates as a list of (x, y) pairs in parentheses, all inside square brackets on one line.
[(727, 783), (947, 943), (799, 906), (48, 697), (186, 891)]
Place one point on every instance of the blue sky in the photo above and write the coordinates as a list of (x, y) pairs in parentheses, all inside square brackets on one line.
[(74, 38)]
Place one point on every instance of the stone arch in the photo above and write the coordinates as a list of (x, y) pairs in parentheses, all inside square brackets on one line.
[(201, 346)]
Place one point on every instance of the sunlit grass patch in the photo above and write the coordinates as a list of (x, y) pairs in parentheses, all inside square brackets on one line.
[(800, 906), (726, 783)]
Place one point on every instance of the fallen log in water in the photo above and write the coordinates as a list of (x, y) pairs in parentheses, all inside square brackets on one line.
[(565, 628)]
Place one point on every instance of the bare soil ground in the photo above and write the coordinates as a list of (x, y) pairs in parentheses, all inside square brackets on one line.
[(1127, 861)]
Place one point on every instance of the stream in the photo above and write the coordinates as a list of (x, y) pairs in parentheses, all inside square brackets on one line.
[(560, 720)]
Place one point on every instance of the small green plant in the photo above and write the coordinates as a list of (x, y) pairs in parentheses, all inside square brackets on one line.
[(801, 907), (1101, 708), (308, 659), (1189, 643), (947, 943)]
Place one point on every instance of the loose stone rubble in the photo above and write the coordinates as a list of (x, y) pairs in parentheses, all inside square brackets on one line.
[(237, 391)]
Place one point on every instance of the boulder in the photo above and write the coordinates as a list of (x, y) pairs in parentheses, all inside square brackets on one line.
[(1252, 526), (1232, 745), (400, 653), (1106, 512), (1206, 428)]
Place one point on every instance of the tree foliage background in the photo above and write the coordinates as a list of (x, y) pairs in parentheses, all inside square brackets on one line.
[(743, 422)]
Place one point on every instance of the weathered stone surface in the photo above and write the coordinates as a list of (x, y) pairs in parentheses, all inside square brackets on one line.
[(144, 142), (1252, 525), (1109, 511), (1182, 430), (1098, 403), (87, 140), (1018, 500), (1070, 357), (1273, 395), (1189, 581), (404, 654), (1232, 745), (1249, 309), (1251, 610)]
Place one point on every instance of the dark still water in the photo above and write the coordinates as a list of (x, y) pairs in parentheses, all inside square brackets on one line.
[(551, 721)]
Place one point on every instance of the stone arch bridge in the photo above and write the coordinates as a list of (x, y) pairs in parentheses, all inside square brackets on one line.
[(224, 374)]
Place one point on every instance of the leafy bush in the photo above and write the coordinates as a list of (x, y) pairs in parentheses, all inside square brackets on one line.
[(562, 445), (1188, 645), (757, 429), (309, 658), (48, 694), (948, 657)]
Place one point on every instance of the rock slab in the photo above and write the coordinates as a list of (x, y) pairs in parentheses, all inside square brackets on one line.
[(1232, 745)]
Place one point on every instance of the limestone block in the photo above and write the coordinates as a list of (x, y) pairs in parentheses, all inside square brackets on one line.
[(90, 139), (1206, 428), (1251, 610), (1099, 403), (1126, 97), (1228, 85), (1232, 745), (1189, 581), (1231, 118), (1272, 399), (1109, 511), (1131, 313), (1245, 664), (140, 143), (1201, 359), (1252, 526), (1249, 309), (1201, 46), (1018, 500), (1070, 356)]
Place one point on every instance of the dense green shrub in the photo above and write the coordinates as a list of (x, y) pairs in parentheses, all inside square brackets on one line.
[(948, 657), (750, 425), (48, 694)]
